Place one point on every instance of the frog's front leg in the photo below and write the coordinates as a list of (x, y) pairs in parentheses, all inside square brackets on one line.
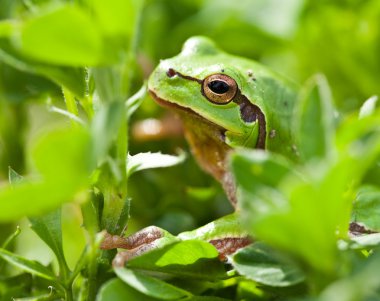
[(225, 234), (135, 244), (133, 241), (229, 245)]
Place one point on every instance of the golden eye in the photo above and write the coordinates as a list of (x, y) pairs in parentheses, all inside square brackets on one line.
[(219, 88)]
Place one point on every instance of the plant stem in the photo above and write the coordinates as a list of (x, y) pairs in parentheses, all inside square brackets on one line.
[(71, 104)]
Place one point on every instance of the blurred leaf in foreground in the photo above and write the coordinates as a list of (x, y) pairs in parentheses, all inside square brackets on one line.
[(305, 209), (48, 37), (63, 159)]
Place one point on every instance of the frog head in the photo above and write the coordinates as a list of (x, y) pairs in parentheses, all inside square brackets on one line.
[(219, 88)]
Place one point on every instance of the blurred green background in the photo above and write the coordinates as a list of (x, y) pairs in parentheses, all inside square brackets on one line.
[(297, 38)]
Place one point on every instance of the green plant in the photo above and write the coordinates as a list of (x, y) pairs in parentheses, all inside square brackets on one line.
[(78, 60)]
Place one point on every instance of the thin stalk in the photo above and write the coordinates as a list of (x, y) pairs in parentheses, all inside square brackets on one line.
[(71, 104), (128, 73), (117, 195)]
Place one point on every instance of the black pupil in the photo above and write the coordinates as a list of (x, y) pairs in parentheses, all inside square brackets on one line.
[(218, 86)]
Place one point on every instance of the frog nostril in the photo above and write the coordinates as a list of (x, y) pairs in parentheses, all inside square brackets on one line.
[(171, 72)]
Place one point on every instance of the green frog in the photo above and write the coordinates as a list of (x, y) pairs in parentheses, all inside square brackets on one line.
[(224, 102)]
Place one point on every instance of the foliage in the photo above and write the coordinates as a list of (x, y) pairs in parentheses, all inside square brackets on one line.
[(71, 80)]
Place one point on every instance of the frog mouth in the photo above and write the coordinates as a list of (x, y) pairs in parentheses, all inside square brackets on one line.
[(180, 110), (173, 106)]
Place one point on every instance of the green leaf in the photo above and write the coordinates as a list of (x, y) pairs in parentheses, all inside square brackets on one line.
[(366, 207), (358, 135), (314, 121), (188, 258), (63, 35), (14, 177), (149, 160), (286, 208), (150, 286), (368, 107), (116, 290), (115, 17), (27, 265), (364, 282), (64, 156), (15, 286), (261, 264), (71, 78), (367, 241), (268, 169), (64, 160), (134, 102), (6, 28), (48, 228)]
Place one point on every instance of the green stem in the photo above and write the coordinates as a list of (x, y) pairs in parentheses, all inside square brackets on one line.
[(92, 269), (86, 103), (116, 196), (71, 104), (69, 293)]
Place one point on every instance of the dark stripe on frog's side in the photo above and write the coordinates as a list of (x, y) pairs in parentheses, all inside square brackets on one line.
[(248, 111)]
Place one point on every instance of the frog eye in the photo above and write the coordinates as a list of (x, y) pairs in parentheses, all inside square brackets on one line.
[(219, 88)]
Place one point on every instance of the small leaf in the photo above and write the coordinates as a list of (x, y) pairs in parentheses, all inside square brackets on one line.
[(314, 121), (27, 265), (116, 290), (261, 264), (368, 107), (150, 286), (11, 238), (135, 100), (48, 228), (366, 207), (64, 160), (63, 35), (71, 78), (188, 258), (149, 160), (14, 177)]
